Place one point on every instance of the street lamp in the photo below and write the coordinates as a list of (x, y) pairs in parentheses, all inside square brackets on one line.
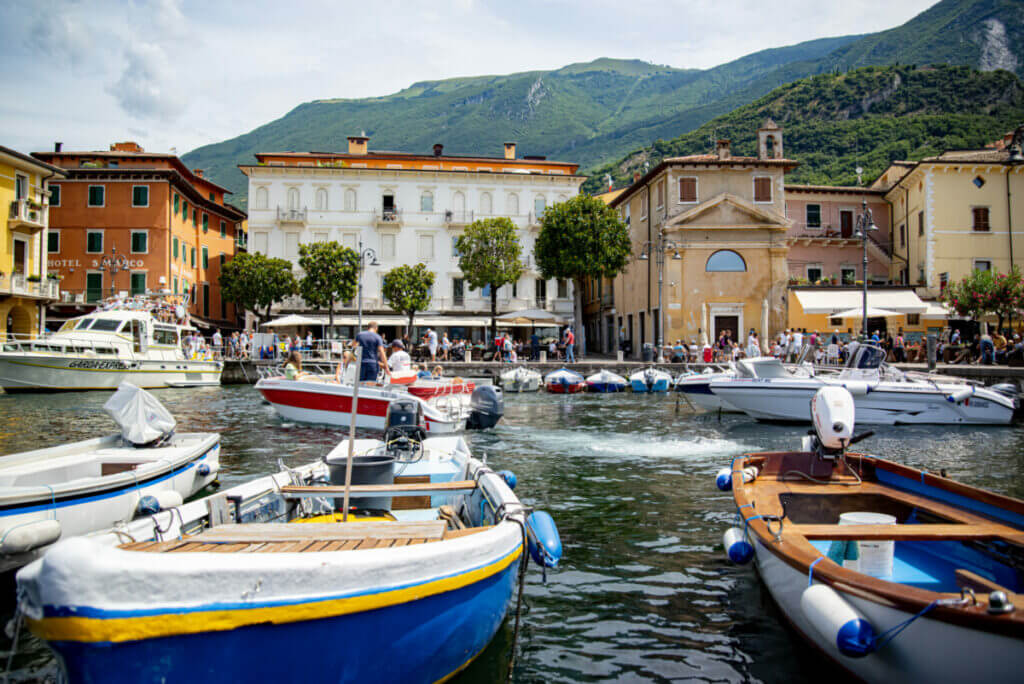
[(865, 224), (364, 254), (661, 245), (113, 263)]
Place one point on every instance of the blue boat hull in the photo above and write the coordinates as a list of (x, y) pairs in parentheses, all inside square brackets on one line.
[(418, 641), (605, 387), (658, 386)]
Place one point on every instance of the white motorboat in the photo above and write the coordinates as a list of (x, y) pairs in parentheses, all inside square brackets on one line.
[(650, 380), (520, 379), (319, 399), (238, 586), (697, 388), (605, 381), (882, 394), (102, 349), (68, 490)]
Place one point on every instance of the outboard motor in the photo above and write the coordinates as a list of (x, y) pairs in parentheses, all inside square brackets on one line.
[(405, 428), (486, 407), (1007, 389), (832, 412)]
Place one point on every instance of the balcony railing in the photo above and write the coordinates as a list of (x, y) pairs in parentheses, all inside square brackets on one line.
[(457, 217), (18, 285), (27, 214), (291, 215), (391, 217)]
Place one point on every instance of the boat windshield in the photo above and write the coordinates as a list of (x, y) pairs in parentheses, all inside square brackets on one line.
[(761, 368), (106, 325), (867, 357), (84, 323)]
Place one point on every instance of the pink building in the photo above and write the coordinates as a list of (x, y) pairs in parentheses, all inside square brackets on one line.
[(821, 240)]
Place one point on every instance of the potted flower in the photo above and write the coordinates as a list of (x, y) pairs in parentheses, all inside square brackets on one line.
[(53, 276), (34, 278)]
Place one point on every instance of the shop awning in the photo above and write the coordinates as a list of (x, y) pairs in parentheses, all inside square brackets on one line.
[(935, 312), (828, 300)]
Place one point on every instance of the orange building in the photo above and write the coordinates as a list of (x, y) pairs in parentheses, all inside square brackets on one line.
[(167, 229)]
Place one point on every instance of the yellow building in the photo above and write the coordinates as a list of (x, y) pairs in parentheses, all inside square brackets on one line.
[(25, 289), (713, 230), (955, 213)]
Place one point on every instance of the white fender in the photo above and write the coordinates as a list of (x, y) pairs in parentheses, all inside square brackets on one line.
[(168, 499), (960, 395), (837, 621), (723, 479), (25, 537), (737, 548), (857, 388)]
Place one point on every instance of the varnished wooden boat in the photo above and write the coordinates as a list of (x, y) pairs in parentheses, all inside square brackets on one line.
[(954, 585)]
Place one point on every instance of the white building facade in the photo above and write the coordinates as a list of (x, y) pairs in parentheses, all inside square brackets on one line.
[(408, 209)]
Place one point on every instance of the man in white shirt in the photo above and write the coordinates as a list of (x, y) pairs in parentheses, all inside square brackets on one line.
[(399, 360), (753, 346), (432, 343), (797, 344)]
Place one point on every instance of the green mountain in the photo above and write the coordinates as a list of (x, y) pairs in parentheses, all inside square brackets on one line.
[(833, 123), (598, 111)]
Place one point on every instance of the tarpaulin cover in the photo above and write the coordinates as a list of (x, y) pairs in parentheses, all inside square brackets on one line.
[(142, 418)]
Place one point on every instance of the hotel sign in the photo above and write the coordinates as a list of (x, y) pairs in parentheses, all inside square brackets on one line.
[(75, 263)]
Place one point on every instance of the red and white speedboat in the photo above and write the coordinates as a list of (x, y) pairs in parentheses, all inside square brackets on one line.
[(564, 381), (427, 389), (317, 400)]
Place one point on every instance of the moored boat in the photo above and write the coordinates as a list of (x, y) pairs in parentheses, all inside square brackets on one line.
[(697, 389), (894, 573), (427, 389), (564, 381), (606, 381), (238, 586), (520, 379), (72, 489), (650, 380)]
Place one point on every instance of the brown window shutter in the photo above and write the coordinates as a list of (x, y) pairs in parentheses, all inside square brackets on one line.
[(687, 189), (980, 219), (762, 189)]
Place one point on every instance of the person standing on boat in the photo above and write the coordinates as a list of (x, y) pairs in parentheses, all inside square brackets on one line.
[(373, 353), (399, 360), (218, 344)]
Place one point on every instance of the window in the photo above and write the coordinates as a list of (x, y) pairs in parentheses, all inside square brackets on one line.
[(687, 191), (458, 289), (97, 196), (426, 247), (643, 205), (913, 319), (350, 200), (206, 222), (539, 205), (835, 322), (486, 203), (291, 245), (978, 182), (177, 203), (540, 292), (138, 283), (485, 291), (903, 236), (512, 204), (920, 223), (320, 237), (259, 242), (195, 217), (206, 258), (661, 195), (849, 274), (725, 260), (321, 199), (140, 195), (184, 210), (982, 264), (174, 280), (20, 187), (140, 241), (192, 256), (563, 288), (943, 281), (223, 259), (293, 199), (980, 216), (762, 189), (94, 242), (814, 216), (213, 197), (53, 241), (93, 287), (223, 229), (814, 272), (261, 199), (387, 246), (426, 202), (54, 195)]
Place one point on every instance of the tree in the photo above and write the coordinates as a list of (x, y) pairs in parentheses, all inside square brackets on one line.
[(490, 257), (407, 289), (579, 239), (254, 280), (972, 296), (331, 273), (1006, 295)]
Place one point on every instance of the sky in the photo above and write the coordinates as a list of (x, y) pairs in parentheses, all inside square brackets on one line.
[(178, 74)]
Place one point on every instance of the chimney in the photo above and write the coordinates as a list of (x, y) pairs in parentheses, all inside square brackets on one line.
[(127, 146), (357, 144), (438, 148), (57, 146), (198, 172), (510, 150), (722, 148)]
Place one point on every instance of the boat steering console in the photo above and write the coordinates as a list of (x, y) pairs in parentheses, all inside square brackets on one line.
[(405, 428)]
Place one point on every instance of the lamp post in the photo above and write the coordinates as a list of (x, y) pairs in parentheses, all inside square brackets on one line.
[(865, 224), (661, 245), (364, 254), (113, 263)]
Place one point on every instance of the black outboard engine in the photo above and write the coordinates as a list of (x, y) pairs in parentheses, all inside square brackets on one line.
[(1007, 389), (486, 407), (405, 428)]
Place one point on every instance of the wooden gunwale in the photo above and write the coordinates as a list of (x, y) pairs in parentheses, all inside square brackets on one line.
[(796, 551)]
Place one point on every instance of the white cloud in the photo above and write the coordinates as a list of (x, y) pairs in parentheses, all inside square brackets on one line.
[(146, 87)]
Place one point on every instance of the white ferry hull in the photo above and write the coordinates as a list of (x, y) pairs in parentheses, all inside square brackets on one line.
[(34, 372)]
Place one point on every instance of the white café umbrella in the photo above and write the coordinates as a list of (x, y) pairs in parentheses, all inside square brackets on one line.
[(292, 320), (532, 316), (872, 313)]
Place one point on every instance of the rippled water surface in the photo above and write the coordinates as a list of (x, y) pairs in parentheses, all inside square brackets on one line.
[(644, 592)]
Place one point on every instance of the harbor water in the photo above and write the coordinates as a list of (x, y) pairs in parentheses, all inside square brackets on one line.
[(644, 592)]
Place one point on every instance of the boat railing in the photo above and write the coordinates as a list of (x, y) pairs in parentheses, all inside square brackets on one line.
[(68, 344)]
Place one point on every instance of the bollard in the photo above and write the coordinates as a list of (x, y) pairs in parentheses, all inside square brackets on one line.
[(469, 356), (932, 346), (543, 356), (619, 355)]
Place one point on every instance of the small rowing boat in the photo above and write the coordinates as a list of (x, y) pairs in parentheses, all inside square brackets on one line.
[(606, 381), (267, 581), (564, 381), (893, 573), (520, 379), (650, 380), (72, 489)]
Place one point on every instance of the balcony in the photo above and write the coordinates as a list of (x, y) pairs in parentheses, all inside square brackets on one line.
[(27, 215), (534, 220), (291, 215), (457, 218), (387, 217), (19, 285)]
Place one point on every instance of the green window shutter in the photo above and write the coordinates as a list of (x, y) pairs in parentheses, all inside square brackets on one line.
[(175, 280), (206, 258), (53, 242), (223, 258), (192, 254), (174, 248), (223, 228), (177, 203), (184, 210), (195, 217), (206, 222), (93, 287), (139, 241), (138, 283), (94, 242), (54, 195), (140, 196), (96, 195)]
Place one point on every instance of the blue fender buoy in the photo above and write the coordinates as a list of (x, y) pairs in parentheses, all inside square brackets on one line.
[(148, 505), (723, 480), (509, 477), (203, 469), (737, 547), (837, 621), (542, 536)]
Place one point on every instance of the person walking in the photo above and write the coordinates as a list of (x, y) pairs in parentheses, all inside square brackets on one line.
[(570, 345), (446, 347), (373, 353), (899, 349), (535, 346), (753, 345), (431, 340)]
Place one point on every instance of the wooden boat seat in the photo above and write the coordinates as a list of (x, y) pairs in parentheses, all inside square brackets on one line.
[(981, 585), (904, 532)]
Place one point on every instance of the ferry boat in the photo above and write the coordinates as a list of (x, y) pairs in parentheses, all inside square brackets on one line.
[(409, 584), (99, 350)]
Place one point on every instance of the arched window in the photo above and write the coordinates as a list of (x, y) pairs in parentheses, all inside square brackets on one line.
[(293, 198), (539, 205), (261, 198), (725, 260), (458, 202), (321, 199), (427, 202), (350, 199), (486, 203), (512, 204)]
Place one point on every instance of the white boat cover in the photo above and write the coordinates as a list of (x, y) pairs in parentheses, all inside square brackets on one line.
[(142, 418)]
